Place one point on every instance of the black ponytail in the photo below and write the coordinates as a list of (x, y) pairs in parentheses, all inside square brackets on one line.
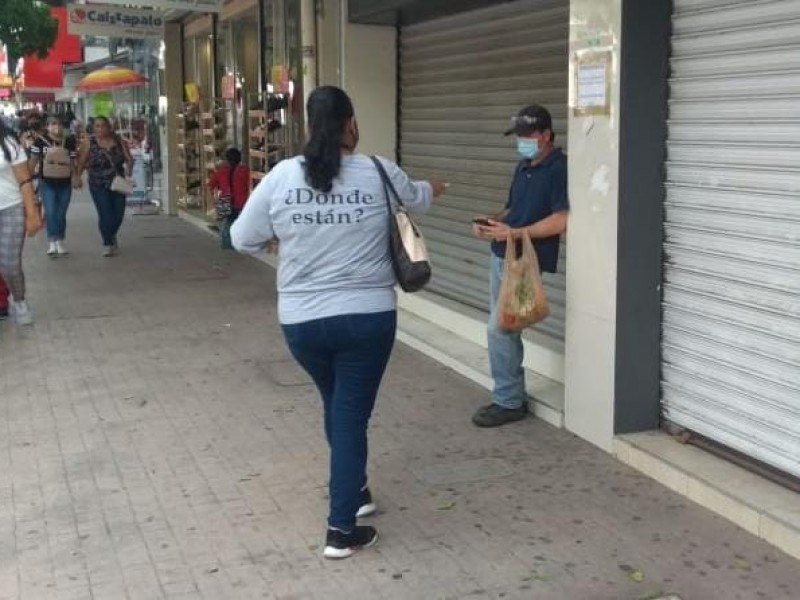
[(329, 108)]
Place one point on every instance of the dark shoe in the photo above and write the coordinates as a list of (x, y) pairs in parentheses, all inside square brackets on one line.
[(366, 506), (4, 315), (494, 415), (277, 102), (339, 544)]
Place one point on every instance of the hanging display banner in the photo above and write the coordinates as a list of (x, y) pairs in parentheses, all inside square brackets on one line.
[(192, 5), (104, 19)]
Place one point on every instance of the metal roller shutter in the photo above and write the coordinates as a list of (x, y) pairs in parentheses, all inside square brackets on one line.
[(462, 78), (731, 318)]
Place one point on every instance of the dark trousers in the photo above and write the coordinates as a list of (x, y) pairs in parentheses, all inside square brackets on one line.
[(346, 356), (110, 207)]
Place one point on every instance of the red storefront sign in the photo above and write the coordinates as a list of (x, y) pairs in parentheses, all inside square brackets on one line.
[(48, 72)]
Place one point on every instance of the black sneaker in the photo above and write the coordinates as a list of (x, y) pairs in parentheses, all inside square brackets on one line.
[(4, 315), (366, 506), (339, 544), (494, 415)]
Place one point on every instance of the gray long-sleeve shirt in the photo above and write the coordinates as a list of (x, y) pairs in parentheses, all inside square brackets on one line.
[(334, 246)]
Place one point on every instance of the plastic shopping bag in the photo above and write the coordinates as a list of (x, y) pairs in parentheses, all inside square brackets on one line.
[(522, 301)]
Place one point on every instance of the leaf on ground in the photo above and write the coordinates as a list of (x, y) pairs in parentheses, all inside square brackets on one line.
[(448, 506), (632, 573), (536, 576), (743, 564), (636, 575)]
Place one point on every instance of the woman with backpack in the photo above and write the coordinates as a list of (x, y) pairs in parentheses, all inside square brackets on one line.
[(53, 158), (19, 216), (106, 158)]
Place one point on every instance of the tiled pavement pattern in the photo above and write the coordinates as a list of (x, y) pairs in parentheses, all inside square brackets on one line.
[(158, 442)]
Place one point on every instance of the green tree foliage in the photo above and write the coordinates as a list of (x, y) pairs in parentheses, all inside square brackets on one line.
[(26, 27)]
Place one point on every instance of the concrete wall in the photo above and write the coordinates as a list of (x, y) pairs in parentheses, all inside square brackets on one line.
[(363, 62), (173, 93), (592, 235)]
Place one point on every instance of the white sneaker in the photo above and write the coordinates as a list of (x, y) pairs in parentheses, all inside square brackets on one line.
[(60, 249), (22, 313), (108, 251), (52, 250)]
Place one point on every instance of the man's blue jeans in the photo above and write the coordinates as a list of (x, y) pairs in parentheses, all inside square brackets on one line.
[(110, 207), (505, 351), (346, 356), (56, 199)]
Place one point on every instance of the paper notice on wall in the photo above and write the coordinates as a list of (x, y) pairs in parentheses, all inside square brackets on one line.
[(592, 84)]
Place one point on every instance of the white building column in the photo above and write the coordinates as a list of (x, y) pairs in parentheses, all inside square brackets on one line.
[(171, 104), (592, 237), (362, 59)]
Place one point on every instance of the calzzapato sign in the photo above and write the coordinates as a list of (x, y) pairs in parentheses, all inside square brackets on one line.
[(113, 21)]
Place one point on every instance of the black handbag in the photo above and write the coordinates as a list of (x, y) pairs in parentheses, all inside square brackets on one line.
[(406, 244)]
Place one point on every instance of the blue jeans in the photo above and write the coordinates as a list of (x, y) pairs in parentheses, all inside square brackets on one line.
[(346, 356), (110, 207), (505, 351), (56, 199)]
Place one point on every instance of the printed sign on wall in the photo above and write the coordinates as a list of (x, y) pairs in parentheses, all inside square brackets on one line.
[(113, 21)]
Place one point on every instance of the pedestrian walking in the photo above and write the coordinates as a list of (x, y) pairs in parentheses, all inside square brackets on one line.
[(537, 207), (230, 181), (19, 215), (105, 156), (336, 288), (53, 157)]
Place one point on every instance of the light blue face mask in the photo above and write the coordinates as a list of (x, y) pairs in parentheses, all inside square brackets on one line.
[(527, 148)]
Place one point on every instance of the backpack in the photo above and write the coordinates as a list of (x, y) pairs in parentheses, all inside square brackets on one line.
[(56, 161)]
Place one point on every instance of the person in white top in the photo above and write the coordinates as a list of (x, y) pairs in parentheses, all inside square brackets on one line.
[(19, 215)]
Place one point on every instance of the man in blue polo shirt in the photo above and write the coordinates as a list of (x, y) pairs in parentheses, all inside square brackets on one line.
[(537, 207)]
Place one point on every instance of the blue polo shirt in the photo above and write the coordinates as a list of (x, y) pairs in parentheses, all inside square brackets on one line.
[(537, 192)]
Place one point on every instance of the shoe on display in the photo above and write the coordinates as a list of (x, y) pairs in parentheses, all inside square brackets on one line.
[(22, 313), (277, 102), (340, 544)]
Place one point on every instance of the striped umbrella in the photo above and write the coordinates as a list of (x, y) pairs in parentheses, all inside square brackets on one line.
[(111, 78)]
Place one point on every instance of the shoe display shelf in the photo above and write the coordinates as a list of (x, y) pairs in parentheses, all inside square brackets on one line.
[(190, 176), (269, 127), (214, 144)]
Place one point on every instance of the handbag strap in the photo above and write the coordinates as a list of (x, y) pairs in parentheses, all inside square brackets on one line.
[(388, 186)]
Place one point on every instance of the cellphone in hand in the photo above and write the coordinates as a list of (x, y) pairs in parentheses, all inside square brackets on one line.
[(481, 221)]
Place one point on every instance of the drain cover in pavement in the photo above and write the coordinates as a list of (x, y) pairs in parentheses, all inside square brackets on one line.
[(464, 471)]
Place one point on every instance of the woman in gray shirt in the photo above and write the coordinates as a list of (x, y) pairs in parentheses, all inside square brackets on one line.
[(336, 287)]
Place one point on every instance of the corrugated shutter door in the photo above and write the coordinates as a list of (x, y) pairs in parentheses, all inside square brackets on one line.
[(462, 78), (731, 331)]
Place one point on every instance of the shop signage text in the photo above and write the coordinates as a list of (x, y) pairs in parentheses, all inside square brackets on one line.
[(193, 5), (102, 19)]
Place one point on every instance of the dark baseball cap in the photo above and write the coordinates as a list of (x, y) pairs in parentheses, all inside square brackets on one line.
[(529, 119)]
